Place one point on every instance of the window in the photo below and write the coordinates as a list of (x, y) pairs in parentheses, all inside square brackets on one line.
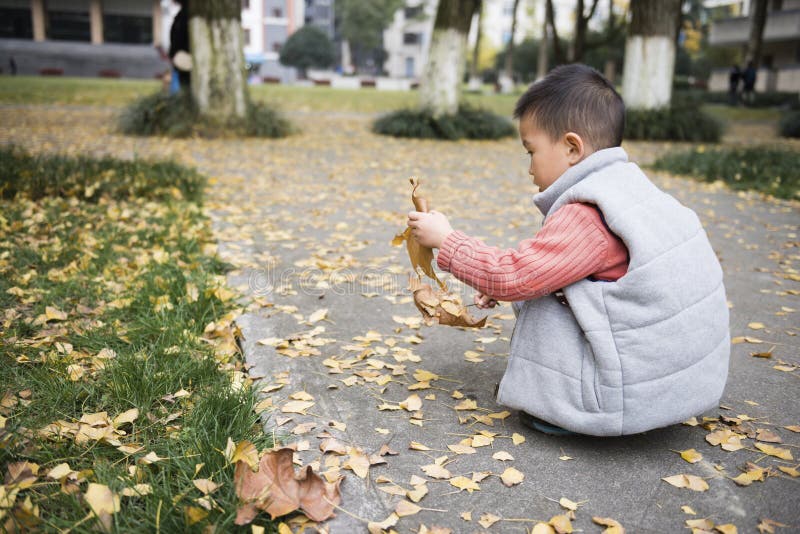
[(15, 23), (246, 37), (245, 4), (277, 12), (68, 25), (412, 12), (127, 29), (276, 47), (411, 38)]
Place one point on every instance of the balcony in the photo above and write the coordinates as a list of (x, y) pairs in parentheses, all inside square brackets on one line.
[(780, 26)]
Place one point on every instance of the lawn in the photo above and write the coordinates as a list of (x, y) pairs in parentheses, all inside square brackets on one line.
[(111, 92), (123, 394)]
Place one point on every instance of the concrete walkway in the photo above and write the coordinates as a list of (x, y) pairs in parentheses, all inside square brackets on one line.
[(307, 223)]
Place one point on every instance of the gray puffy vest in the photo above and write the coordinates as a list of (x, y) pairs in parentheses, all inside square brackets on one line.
[(648, 350)]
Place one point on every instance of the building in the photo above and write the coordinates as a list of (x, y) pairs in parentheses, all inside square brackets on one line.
[(266, 25), (83, 37), (407, 39), (779, 68)]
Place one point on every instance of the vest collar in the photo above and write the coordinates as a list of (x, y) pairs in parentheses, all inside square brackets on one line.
[(596, 161)]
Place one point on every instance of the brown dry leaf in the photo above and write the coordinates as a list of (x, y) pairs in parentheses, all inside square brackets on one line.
[(487, 520), (421, 257), (375, 527), (412, 403), (405, 508), (691, 456), (561, 524), (777, 452), (512, 477), (691, 482), (296, 406), (276, 489), (358, 462), (793, 428), (767, 526), (103, 503), (436, 471), (764, 434), (612, 526), (726, 439), (464, 483), (246, 452), (441, 307), (728, 528), (205, 485), (791, 471)]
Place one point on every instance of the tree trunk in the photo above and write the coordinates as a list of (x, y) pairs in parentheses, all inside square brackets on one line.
[(218, 73), (581, 27), (507, 84), (439, 87), (551, 20), (541, 61), (758, 18), (474, 74), (650, 54)]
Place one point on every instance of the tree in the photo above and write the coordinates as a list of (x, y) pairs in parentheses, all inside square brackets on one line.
[(507, 80), (308, 47), (582, 19), (550, 15), (650, 54), (758, 18), (361, 23), (441, 80), (474, 75), (218, 72)]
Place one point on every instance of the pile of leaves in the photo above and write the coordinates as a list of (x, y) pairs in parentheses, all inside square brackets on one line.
[(122, 396), (766, 169), (177, 116), (467, 123)]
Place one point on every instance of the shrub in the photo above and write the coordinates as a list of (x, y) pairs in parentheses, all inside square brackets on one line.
[(769, 170), (790, 125), (177, 116), (466, 123), (684, 121), (89, 179)]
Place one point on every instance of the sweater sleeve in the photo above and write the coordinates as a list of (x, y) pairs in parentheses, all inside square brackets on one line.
[(572, 245)]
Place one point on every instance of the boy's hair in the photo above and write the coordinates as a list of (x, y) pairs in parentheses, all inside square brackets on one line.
[(575, 98)]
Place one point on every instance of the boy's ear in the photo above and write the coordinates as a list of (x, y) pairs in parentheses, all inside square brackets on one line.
[(576, 148)]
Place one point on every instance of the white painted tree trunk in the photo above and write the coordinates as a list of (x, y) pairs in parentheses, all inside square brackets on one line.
[(218, 73), (441, 80), (647, 76)]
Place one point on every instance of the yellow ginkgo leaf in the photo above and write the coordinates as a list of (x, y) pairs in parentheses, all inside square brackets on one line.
[(691, 456), (511, 477), (777, 452), (464, 483)]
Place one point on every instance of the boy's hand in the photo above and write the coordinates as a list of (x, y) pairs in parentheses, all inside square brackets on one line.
[(484, 301), (430, 229)]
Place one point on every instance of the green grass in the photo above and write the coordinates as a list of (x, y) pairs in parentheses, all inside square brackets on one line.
[(114, 92), (765, 169), (729, 114), (127, 267)]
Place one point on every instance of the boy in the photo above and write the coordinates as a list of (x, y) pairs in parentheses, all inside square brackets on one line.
[(622, 319)]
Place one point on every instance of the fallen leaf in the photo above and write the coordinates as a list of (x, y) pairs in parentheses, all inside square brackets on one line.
[(405, 508), (568, 504), (783, 454), (246, 452), (487, 520), (297, 407), (511, 476), (412, 403), (612, 526), (379, 527), (516, 439), (728, 528), (464, 483), (358, 462), (542, 528), (691, 482), (205, 485), (791, 471), (561, 524), (503, 456), (691, 456)]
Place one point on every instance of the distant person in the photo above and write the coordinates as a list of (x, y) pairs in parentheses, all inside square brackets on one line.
[(622, 319), (749, 81), (179, 53), (12, 66), (734, 78)]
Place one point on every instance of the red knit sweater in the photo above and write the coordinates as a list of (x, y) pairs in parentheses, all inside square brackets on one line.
[(573, 244)]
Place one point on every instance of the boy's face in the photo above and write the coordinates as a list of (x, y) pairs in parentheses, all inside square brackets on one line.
[(549, 159)]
